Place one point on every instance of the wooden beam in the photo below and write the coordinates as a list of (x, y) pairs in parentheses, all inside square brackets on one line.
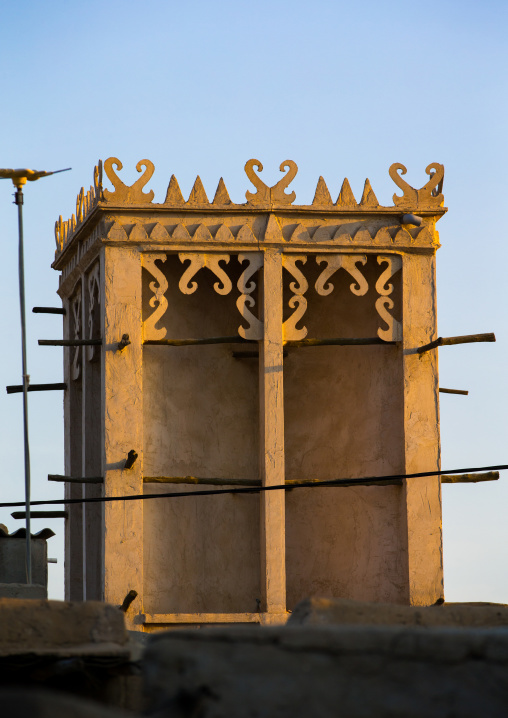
[(341, 342), (449, 341), (469, 478), (198, 342), (18, 388), (41, 514), (200, 481), (257, 482), (76, 479)]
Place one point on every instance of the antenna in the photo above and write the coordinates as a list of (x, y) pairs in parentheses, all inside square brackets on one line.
[(19, 178)]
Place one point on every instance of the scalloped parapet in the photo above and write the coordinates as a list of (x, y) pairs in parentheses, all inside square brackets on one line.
[(345, 219)]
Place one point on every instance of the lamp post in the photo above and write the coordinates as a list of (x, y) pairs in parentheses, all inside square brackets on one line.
[(19, 178)]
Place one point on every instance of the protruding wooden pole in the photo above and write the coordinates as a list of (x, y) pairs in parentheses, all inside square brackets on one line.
[(76, 480), (448, 341), (463, 392), (198, 342), (469, 478)]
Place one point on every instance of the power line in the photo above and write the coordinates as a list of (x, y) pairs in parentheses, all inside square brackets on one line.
[(252, 489)]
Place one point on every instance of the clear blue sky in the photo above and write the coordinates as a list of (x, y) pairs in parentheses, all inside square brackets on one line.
[(344, 89)]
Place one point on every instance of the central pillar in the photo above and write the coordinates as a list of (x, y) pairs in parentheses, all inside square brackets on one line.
[(273, 547)]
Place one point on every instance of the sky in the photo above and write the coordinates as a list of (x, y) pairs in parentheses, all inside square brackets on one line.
[(343, 89)]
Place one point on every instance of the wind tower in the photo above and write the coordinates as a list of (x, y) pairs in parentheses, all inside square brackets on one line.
[(218, 345)]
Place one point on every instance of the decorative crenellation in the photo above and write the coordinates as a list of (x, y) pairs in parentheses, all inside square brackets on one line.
[(217, 264), (357, 232), (124, 194), (430, 195), (270, 195), (428, 198), (85, 202)]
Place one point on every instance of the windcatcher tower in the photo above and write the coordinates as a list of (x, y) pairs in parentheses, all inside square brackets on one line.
[(316, 313)]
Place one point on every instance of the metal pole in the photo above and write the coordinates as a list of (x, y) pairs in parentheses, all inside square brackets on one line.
[(18, 199), (19, 178)]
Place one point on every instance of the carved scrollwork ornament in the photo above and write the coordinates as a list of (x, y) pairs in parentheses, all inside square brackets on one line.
[(289, 331), (394, 263), (349, 264), (246, 287), (297, 302), (255, 260), (346, 261), (124, 194), (198, 261), (265, 194), (384, 302), (430, 195), (394, 331), (333, 263), (289, 263), (262, 194), (158, 302), (255, 328), (277, 191)]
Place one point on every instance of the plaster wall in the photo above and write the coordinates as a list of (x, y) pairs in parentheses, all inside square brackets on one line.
[(344, 417), (200, 419)]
